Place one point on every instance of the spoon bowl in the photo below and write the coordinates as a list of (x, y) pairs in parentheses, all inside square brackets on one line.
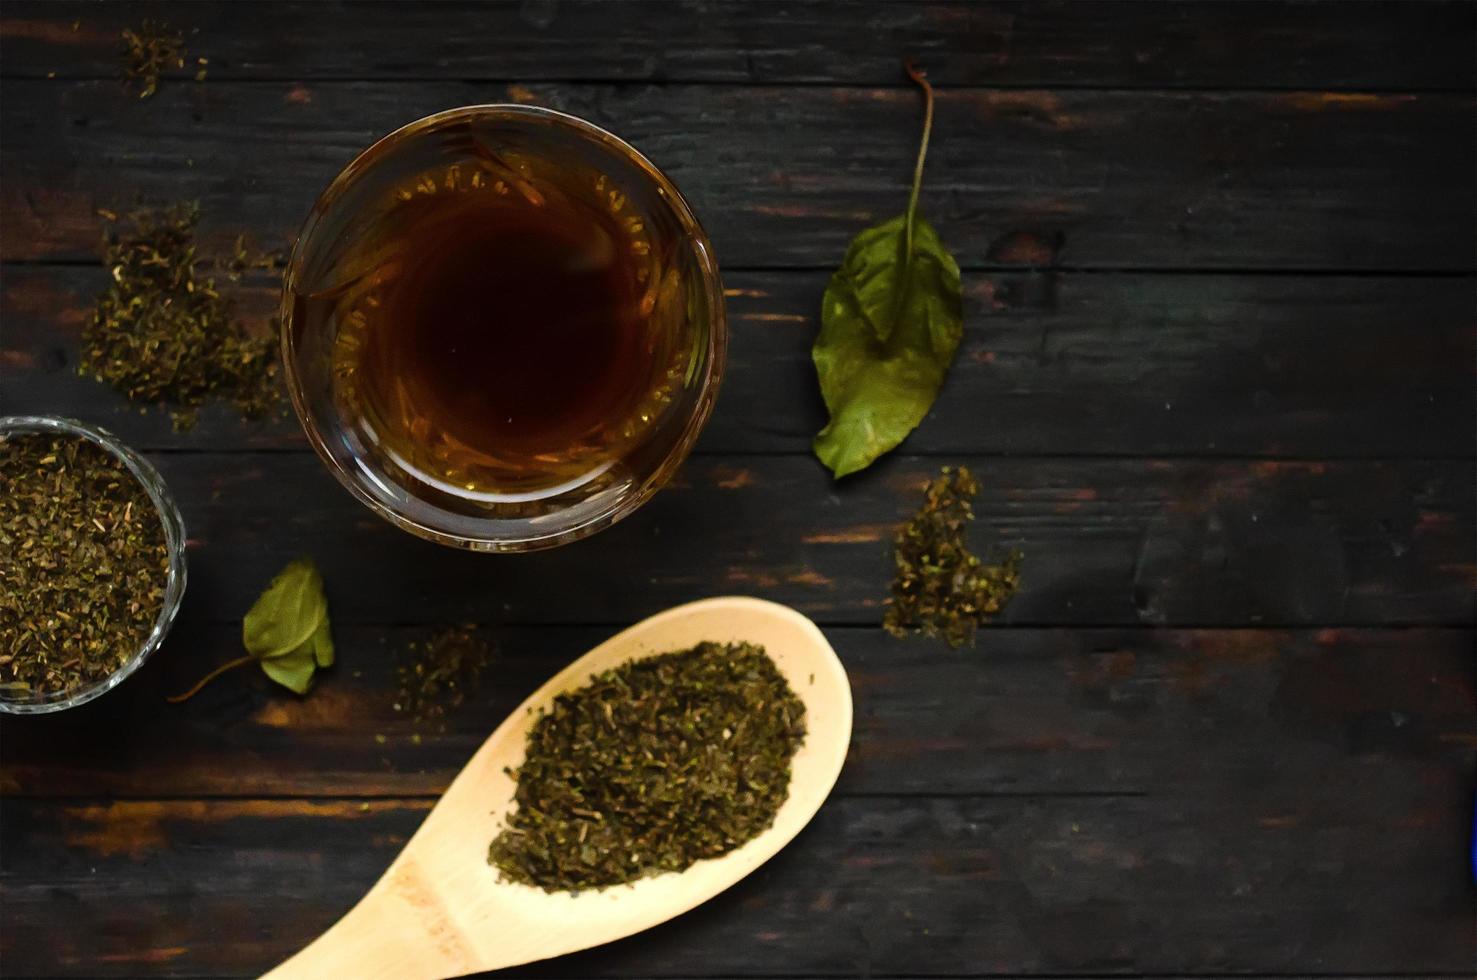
[(441, 911)]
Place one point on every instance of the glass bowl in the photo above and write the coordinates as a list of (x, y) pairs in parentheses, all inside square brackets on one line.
[(174, 539), (347, 248)]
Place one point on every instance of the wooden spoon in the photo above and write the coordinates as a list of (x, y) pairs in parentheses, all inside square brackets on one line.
[(440, 910)]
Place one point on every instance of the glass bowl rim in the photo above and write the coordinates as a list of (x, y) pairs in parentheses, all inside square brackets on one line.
[(717, 342), (174, 537)]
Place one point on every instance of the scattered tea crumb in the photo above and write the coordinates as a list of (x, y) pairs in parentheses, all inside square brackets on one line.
[(940, 588), (83, 564), (650, 767), (148, 51), (435, 675), (246, 257), (163, 334)]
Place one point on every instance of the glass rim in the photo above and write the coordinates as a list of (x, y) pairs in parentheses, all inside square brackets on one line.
[(716, 352), (174, 538)]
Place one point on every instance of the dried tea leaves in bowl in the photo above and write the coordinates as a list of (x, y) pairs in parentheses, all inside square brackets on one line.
[(941, 588), (650, 767), (83, 564)]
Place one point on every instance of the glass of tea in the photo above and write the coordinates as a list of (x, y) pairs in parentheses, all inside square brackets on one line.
[(502, 328)]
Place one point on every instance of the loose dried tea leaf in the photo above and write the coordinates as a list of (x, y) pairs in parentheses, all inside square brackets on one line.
[(891, 320), (940, 588), (650, 767), (286, 631), (247, 257), (163, 333), (83, 564), (148, 51), (435, 676)]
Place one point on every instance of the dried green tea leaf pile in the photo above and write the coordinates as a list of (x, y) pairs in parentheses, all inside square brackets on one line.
[(150, 50), (83, 564), (940, 588), (435, 675), (163, 334), (652, 766)]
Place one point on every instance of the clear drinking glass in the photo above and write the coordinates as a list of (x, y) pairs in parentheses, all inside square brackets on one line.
[(446, 153), (174, 538)]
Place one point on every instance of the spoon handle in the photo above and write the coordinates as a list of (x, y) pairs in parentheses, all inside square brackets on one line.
[(399, 931)]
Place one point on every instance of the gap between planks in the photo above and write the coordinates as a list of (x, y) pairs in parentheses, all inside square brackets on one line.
[(901, 84), (994, 268), (1187, 626), (701, 453), (74, 799), (1100, 975)]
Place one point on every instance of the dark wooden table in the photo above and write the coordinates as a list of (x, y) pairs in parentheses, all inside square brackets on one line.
[(1217, 379)]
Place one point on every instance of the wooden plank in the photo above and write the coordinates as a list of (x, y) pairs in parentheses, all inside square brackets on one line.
[(916, 887), (1107, 541), (1247, 365), (1028, 711), (1115, 179), (1120, 44)]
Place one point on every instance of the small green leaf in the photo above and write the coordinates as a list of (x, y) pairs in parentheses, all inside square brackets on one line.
[(288, 612), (321, 643), (286, 631), (888, 334), (891, 320), (293, 670)]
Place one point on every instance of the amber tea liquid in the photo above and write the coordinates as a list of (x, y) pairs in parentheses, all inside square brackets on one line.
[(504, 337)]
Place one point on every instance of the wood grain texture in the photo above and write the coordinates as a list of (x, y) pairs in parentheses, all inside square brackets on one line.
[(1119, 44), (1248, 365), (918, 887), (1232, 713), (1162, 542), (1118, 179), (1218, 382)]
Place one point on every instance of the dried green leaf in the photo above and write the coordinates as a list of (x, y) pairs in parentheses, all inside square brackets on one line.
[(293, 670), (891, 320), (286, 630), (287, 614)]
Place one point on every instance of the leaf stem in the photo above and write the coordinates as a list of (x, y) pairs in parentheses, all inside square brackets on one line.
[(922, 80), (230, 665)]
